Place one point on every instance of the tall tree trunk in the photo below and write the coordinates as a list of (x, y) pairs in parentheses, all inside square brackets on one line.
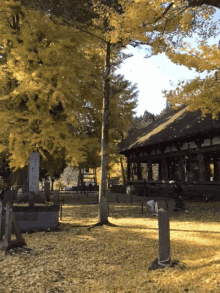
[(79, 180), (103, 204), (52, 180)]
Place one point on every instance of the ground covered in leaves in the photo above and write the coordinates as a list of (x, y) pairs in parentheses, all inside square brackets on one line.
[(116, 258)]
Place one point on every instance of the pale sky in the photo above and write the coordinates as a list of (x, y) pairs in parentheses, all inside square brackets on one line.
[(152, 75)]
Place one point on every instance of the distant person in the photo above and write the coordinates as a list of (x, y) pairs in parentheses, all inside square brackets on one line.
[(145, 188), (153, 206), (90, 186), (179, 204), (177, 186), (83, 188), (2, 193)]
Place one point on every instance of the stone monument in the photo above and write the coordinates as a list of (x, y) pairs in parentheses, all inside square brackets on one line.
[(34, 172)]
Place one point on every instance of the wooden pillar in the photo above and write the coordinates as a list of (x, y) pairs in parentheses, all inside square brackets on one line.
[(190, 164), (201, 162), (216, 168), (216, 171), (160, 170), (149, 166), (128, 170), (139, 174), (181, 170), (164, 169), (1, 220), (11, 226)]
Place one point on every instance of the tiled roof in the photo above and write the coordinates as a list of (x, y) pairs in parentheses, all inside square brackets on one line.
[(174, 125)]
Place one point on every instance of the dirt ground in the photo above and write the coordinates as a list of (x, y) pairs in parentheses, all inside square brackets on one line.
[(116, 258)]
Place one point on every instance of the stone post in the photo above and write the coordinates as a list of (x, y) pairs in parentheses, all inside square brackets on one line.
[(164, 259), (34, 172), (56, 197), (164, 238)]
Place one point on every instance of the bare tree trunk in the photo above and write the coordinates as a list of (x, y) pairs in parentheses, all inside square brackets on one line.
[(52, 180), (79, 181), (103, 204)]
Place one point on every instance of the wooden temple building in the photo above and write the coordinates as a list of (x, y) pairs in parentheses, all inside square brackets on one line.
[(179, 144)]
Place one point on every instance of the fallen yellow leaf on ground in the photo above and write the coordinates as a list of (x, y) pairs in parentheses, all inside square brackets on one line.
[(116, 258)]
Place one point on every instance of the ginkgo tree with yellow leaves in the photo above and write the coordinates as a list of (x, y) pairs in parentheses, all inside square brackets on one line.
[(178, 20), (166, 24), (42, 83), (51, 81), (199, 93)]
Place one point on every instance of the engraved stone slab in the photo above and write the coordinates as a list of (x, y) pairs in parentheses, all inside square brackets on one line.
[(34, 172)]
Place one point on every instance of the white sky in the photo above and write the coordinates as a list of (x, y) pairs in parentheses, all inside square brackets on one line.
[(152, 75)]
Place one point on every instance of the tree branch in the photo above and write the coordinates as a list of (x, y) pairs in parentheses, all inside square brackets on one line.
[(82, 29), (165, 11), (196, 3)]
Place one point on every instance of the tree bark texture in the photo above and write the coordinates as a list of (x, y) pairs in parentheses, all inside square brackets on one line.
[(103, 205)]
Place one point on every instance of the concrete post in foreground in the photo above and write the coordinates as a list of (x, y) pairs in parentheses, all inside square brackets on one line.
[(164, 238), (56, 197), (164, 259)]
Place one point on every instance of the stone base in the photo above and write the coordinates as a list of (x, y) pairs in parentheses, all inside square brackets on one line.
[(31, 197), (156, 266), (37, 218)]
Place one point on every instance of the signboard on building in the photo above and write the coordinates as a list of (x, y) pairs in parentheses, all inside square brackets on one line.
[(34, 172)]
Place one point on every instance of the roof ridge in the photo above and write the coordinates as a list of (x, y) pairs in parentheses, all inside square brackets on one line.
[(159, 127)]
